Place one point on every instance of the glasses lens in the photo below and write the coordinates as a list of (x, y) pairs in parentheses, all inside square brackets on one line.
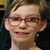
[(15, 20), (32, 20)]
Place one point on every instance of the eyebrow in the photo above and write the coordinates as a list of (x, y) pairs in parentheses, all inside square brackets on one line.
[(15, 15), (27, 15), (34, 15)]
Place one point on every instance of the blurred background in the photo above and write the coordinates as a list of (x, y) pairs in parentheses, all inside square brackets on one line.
[(43, 41)]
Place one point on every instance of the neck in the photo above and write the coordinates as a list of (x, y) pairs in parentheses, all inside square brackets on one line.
[(22, 45)]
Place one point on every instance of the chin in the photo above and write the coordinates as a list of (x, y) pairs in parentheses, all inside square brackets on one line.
[(22, 39)]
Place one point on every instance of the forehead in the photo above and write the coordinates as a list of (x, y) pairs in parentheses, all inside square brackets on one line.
[(26, 10)]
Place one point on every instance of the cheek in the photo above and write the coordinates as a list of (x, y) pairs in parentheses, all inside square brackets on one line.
[(12, 28), (39, 26), (35, 28)]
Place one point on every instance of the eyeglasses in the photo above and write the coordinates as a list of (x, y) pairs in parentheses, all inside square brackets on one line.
[(28, 21)]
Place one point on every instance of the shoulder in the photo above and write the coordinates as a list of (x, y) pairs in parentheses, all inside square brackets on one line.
[(35, 48)]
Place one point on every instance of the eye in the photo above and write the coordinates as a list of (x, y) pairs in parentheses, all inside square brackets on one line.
[(32, 19), (29, 19), (15, 18)]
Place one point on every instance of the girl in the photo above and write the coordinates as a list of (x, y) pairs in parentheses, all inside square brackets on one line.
[(23, 19)]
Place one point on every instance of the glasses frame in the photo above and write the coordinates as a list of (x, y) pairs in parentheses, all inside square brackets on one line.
[(11, 18)]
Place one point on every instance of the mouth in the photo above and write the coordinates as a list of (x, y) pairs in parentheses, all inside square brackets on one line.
[(22, 33)]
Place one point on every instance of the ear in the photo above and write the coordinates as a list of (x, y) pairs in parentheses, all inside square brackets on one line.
[(7, 26), (44, 24)]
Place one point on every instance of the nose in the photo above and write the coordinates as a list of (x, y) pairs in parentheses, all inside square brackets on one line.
[(23, 25)]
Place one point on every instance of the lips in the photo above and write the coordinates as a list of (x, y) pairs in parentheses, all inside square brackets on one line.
[(22, 33)]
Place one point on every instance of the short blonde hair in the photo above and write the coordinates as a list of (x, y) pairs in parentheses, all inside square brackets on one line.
[(18, 3)]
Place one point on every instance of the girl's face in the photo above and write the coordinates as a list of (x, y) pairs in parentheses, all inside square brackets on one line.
[(24, 23)]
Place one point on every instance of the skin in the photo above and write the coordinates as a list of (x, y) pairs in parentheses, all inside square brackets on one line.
[(22, 41)]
